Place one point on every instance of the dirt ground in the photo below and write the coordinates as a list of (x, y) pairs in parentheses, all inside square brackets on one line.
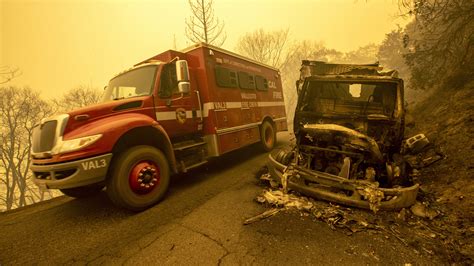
[(447, 119)]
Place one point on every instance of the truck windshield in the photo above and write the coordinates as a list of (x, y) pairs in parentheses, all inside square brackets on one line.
[(349, 98), (137, 82)]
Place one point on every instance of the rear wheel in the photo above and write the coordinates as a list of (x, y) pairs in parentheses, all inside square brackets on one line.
[(267, 136), (83, 192), (139, 178)]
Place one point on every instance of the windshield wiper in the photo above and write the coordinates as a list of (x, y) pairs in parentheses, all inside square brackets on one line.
[(119, 98)]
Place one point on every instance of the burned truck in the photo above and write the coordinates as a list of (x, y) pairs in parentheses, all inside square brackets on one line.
[(349, 128)]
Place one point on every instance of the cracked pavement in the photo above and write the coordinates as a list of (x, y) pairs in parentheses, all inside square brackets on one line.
[(199, 222)]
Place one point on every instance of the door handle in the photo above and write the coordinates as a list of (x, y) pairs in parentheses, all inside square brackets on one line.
[(200, 104)]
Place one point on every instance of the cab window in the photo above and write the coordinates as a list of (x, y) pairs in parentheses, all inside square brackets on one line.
[(168, 81), (134, 83)]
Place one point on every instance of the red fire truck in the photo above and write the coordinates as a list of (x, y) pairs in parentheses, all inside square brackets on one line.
[(165, 115)]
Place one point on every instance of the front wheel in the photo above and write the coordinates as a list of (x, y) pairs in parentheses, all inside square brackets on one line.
[(139, 178), (267, 136)]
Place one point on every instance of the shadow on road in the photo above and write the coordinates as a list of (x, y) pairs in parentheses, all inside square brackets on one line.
[(215, 166)]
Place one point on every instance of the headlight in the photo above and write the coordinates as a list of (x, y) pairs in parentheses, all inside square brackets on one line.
[(75, 144)]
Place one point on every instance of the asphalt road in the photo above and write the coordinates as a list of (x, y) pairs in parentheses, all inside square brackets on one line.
[(199, 222)]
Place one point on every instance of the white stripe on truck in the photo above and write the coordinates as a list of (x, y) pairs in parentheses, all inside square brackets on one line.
[(216, 106)]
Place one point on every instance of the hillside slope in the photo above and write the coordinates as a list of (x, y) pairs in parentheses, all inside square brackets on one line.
[(447, 119)]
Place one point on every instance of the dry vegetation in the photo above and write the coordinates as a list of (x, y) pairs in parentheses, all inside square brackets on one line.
[(20, 110)]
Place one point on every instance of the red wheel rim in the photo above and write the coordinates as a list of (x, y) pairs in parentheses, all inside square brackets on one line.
[(144, 177)]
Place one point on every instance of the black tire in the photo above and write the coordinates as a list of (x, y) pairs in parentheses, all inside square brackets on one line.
[(119, 189), (267, 136), (83, 192)]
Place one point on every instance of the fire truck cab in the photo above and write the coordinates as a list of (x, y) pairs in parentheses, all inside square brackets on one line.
[(165, 115)]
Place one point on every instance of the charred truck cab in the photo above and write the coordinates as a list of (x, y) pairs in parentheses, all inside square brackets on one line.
[(165, 115), (349, 126)]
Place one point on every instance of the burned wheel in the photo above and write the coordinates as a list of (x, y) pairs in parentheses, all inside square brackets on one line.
[(267, 136), (283, 156), (139, 178), (83, 192)]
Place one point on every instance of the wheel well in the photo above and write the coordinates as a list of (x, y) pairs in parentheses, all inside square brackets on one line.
[(146, 136), (270, 120)]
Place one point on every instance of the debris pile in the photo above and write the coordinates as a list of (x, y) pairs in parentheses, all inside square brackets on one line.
[(420, 226), (280, 197), (419, 152), (422, 210), (373, 196), (334, 215)]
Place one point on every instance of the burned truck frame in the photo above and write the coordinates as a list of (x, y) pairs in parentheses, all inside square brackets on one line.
[(349, 127)]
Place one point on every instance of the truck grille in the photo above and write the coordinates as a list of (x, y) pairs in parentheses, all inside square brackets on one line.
[(44, 136)]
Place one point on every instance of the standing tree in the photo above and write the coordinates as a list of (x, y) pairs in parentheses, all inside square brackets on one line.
[(20, 110), (78, 97), (203, 25), (265, 47), (268, 48), (391, 56), (440, 41), (366, 54), (391, 51)]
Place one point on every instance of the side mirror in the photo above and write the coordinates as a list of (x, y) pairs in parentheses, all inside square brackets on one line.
[(182, 75), (182, 71), (184, 87)]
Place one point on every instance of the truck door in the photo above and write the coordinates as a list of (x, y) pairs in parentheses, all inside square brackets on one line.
[(177, 112)]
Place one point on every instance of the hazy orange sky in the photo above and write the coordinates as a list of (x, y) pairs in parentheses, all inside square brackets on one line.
[(60, 44)]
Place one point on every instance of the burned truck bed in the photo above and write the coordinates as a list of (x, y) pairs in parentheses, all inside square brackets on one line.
[(349, 127)]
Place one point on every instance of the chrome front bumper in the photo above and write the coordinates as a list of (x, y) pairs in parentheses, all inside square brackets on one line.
[(72, 174)]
